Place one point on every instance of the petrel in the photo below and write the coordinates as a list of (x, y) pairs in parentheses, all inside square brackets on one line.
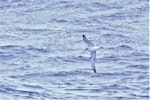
[(91, 48)]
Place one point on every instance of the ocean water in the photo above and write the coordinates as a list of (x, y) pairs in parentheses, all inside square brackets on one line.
[(41, 50)]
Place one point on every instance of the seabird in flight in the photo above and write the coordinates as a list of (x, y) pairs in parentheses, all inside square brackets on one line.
[(91, 48)]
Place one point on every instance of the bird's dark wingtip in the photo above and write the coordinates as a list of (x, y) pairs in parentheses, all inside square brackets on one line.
[(94, 70)]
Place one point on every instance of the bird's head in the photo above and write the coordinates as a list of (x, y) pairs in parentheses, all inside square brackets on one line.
[(83, 35)]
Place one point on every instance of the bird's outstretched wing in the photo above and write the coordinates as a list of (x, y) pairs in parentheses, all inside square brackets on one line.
[(92, 60), (87, 41)]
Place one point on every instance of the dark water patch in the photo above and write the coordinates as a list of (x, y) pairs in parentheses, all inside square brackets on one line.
[(143, 8), (118, 16), (23, 76), (3, 88), (72, 73), (84, 31), (109, 58), (67, 59), (136, 13), (115, 88), (123, 47), (33, 86), (143, 78), (13, 4), (140, 54), (141, 96), (145, 90), (81, 58), (24, 93), (8, 37), (27, 76), (141, 67), (127, 58), (13, 55), (86, 97), (32, 95), (73, 59), (111, 74), (68, 84), (112, 29), (133, 72), (142, 59), (12, 48), (104, 7), (80, 21), (123, 98), (6, 56), (4, 6), (99, 5), (118, 37), (70, 5), (65, 2), (115, 35), (59, 20), (32, 30), (22, 3), (84, 89), (21, 68), (119, 87), (2, 23), (122, 62), (141, 84), (3, 91), (13, 51), (61, 74), (7, 89)]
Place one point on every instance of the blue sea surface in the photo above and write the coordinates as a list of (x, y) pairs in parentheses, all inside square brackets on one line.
[(41, 50)]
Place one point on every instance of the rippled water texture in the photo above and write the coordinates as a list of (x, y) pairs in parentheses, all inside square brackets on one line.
[(41, 50)]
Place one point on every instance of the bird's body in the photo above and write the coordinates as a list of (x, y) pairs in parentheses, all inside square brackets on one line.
[(91, 48)]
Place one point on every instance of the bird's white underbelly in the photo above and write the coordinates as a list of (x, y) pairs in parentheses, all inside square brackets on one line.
[(94, 48)]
